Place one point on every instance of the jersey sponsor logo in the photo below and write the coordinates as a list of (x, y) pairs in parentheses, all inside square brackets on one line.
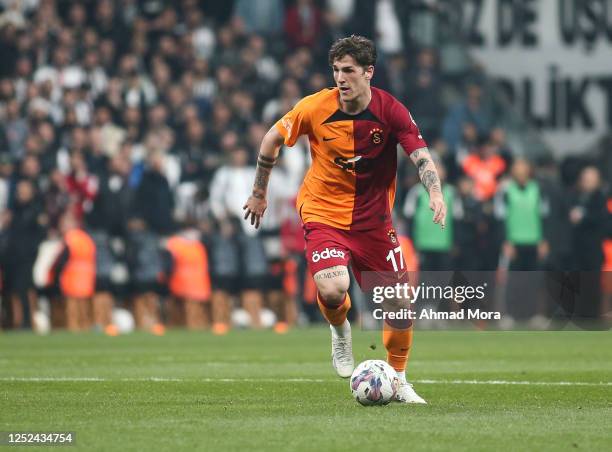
[(349, 165), (376, 136), (326, 254), (355, 165)]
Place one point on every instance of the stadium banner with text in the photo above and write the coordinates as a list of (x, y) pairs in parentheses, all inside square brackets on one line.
[(552, 58), (541, 300)]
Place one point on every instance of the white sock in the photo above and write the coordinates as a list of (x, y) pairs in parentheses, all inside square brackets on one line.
[(342, 330), (401, 375)]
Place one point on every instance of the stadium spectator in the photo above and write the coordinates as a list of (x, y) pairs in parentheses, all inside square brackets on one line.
[(111, 204), (145, 265), (225, 269), (588, 218), (103, 301), (14, 130), (24, 232), (471, 110), (188, 280), (75, 270), (522, 208), (303, 23), (471, 227), (421, 92), (520, 205), (6, 182), (82, 186), (263, 17), (229, 185), (485, 167), (153, 200), (557, 229)]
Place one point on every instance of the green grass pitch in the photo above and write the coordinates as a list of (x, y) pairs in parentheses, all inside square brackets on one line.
[(259, 391)]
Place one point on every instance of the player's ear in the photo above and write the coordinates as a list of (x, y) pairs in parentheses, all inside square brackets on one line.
[(369, 72)]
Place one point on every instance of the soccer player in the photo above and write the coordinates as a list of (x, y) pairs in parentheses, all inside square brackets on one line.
[(347, 195)]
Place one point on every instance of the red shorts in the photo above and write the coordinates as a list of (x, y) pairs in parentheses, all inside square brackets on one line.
[(376, 252)]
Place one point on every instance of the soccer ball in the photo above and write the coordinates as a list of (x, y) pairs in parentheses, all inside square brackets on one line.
[(374, 382)]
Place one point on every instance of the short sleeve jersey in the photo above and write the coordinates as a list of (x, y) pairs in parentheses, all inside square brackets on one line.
[(351, 182)]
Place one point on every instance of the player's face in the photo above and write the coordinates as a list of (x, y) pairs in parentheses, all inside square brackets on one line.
[(352, 80)]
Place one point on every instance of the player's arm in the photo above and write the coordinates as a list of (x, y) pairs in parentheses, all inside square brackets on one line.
[(431, 181), (268, 153)]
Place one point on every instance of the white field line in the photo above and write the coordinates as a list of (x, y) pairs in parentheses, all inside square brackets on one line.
[(296, 380)]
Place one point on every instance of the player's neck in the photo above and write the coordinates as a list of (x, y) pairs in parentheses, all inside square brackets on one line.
[(357, 105)]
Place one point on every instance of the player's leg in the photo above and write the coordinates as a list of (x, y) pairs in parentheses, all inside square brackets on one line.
[(103, 312), (176, 312), (328, 258), (72, 314), (334, 302), (85, 314), (252, 302), (194, 314), (17, 311), (58, 312), (332, 294), (277, 298), (220, 306), (379, 253), (140, 311), (152, 308)]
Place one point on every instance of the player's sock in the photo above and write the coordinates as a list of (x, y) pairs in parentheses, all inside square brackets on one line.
[(336, 316), (401, 375), (398, 343), (342, 330)]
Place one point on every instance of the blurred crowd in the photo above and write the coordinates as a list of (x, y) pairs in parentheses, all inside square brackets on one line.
[(128, 137)]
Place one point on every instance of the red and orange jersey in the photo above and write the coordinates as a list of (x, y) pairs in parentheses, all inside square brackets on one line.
[(351, 183)]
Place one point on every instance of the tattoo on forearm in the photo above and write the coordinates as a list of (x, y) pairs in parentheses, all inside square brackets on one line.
[(427, 170), (431, 181), (262, 176), (421, 164), (331, 274)]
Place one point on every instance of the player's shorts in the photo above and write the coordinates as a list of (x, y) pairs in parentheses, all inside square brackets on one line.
[(276, 275), (229, 284), (375, 255), (104, 285), (142, 287)]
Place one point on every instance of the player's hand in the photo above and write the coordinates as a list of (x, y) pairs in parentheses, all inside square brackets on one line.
[(255, 208), (437, 204)]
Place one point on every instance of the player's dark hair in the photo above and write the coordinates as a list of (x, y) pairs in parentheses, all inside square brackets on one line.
[(361, 49)]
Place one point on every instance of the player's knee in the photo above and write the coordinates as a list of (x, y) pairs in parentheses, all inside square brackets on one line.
[(332, 296), (332, 286)]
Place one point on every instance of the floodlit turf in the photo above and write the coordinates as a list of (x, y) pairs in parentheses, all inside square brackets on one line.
[(259, 391)]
